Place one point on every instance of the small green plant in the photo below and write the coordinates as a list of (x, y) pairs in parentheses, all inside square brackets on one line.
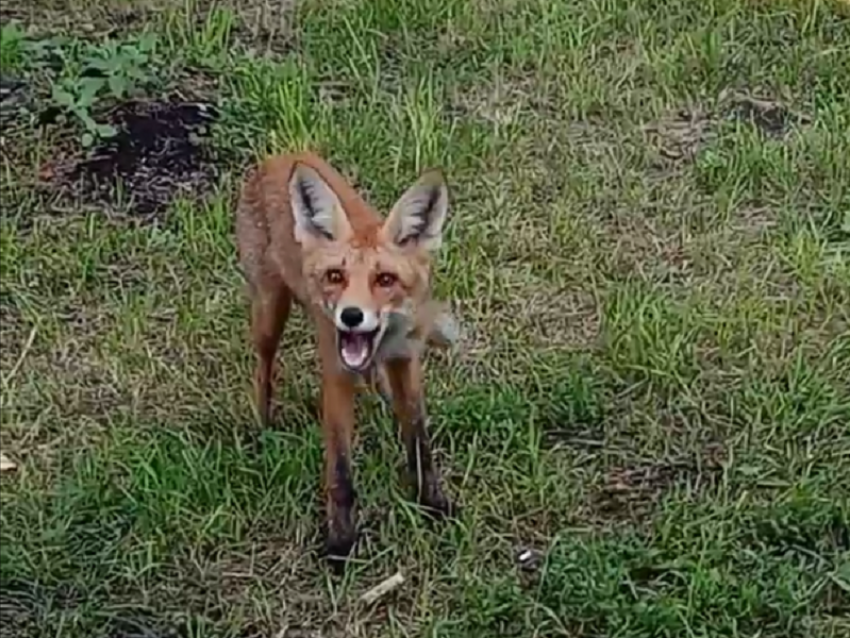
[(12, 39), (81, 74), (78, 97), (122, 65), (110, 70)]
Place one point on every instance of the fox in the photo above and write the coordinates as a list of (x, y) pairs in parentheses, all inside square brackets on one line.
[(306, 236)]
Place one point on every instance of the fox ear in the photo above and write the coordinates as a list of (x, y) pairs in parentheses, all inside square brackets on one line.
[(317, 210), (418, 216)]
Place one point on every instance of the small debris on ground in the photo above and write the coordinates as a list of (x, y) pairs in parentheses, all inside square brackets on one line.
[(7, 464), (529, 560), (382, 589)]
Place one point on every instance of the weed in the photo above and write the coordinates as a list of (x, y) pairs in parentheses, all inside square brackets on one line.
[(83, 76), (112, 70), (12, 38)]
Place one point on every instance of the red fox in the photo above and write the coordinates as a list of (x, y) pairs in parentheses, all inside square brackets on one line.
[(305, 235)]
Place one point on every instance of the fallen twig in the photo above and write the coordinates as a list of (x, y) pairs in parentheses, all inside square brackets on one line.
[(21, 358), (382, 589), (7, 464)]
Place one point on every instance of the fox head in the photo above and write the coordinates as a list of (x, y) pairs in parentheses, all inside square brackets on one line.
[(360, 276)]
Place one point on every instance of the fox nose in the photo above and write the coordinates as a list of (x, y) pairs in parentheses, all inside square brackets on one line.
[(351, 316)]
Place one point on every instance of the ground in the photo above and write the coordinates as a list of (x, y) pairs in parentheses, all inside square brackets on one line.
[(647, 423)]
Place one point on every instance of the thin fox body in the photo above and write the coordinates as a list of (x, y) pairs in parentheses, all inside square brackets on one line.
[(305, 235)]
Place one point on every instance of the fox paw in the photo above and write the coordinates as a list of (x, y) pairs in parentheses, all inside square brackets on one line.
[(339, 544), (436, 504)]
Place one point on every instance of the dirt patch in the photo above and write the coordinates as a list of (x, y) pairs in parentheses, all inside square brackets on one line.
[(263, 27), (769, 116), (680, 136), (631, 492), (159, 152)]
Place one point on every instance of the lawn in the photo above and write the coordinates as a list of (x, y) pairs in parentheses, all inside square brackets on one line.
[(647, 423)]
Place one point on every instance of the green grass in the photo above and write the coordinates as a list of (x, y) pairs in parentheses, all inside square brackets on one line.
[(654, 393)]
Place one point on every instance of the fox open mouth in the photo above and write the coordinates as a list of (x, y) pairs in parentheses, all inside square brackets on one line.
[(356, 348)]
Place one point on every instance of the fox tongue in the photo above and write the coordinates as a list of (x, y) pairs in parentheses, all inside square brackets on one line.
[(355, 349)]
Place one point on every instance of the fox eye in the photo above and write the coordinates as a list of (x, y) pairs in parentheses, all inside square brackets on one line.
[(334, 276), (386, 279)]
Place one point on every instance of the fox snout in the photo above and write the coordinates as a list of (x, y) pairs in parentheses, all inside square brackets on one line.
[(358, 332), (352, 318)]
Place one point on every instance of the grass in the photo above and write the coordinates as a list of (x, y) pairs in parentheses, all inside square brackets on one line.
[(653, 269)]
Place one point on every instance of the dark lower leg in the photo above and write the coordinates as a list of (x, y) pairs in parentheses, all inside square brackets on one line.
[(421, 467), (409, 406), (337, 429), (341, 501)]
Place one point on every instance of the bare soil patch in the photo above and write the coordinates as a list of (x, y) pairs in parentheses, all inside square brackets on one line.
[(769, 116), (679, 136), (630, 492), (161, 151)]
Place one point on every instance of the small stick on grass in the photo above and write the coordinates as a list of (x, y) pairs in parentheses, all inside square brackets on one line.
[(21, 358), (7, 464), (382, 589)]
